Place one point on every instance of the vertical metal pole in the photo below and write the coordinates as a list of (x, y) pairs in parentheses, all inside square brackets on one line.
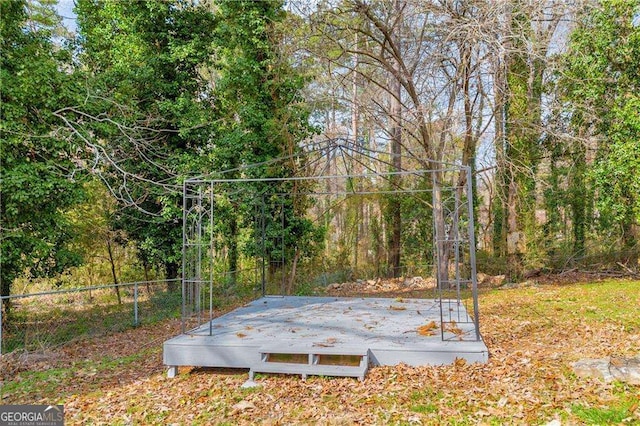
[(472, 255), (282, 287), (255, 237), (264, 249), (1, 305), (198, 265), (184, 256), (456, 246), (211, 258), (256, 267), (135, 304)]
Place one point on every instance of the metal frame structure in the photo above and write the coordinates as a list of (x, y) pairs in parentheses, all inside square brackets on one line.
[(453, 240)]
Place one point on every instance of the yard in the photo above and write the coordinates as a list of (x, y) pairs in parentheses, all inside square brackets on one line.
[(533, 332)]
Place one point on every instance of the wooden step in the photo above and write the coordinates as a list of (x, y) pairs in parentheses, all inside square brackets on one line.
[(318, 350), (306, 370), (312, 367)]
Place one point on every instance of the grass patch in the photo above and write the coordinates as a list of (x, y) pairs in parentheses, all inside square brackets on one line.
[(424, 408), (611, 301), (50, 381), (622, 407), (45, 382), (600, 416), (37, 324)]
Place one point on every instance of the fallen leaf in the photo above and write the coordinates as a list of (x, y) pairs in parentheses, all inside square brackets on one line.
[(427, 329), (397, 308), (452, 327), (329, 342), (460, 362), (244, 405)]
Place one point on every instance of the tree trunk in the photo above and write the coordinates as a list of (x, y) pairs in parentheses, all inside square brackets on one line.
[(395, 214), (629, 240), (171, 274), (233, 250), (292, 276), (357, 165), (5, 290), (499, 207), (441, 243), (113, 271), (145, 267), (579, 198), (469, 148)]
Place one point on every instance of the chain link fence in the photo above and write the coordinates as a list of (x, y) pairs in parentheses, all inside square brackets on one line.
[(42, 320)]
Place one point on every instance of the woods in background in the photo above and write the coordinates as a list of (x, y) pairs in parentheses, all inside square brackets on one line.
[(540, 99)]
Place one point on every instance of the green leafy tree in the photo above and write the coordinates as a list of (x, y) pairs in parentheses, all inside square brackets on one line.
[(148, 112), (601, 88), (262, 118), (36, 175), (530, 28)]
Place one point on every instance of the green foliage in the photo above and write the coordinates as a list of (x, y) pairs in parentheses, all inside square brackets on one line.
[(417, 234), (514, 225), (261, 118), (601, 82), (259, 93), (148, 111), (617, 174), (37, 181), (92, 223), (183, 91)]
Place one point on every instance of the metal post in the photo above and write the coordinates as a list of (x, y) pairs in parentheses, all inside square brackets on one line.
[(135, 304), (282, 286), (198, 263), (456, 246), (255, 236), (472, 255), (184, 256), (1, 305), (210, 258), (264, 249)]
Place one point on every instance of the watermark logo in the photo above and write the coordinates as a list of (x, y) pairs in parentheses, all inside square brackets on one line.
[(31, 415)]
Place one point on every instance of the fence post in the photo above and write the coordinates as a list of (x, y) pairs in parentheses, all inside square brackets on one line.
[(135, 304), (1, 305)]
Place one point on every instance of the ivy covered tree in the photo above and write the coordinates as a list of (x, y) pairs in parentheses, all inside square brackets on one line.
[(262, 117), (37, 179), (601, 88)]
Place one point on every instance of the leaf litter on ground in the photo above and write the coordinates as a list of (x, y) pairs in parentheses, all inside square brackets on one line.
[(533, 335)]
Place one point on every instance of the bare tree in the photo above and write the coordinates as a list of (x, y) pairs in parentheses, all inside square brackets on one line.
[(427, 59)]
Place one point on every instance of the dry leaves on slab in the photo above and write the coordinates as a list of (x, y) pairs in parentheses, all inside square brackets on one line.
[(428, 329)]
